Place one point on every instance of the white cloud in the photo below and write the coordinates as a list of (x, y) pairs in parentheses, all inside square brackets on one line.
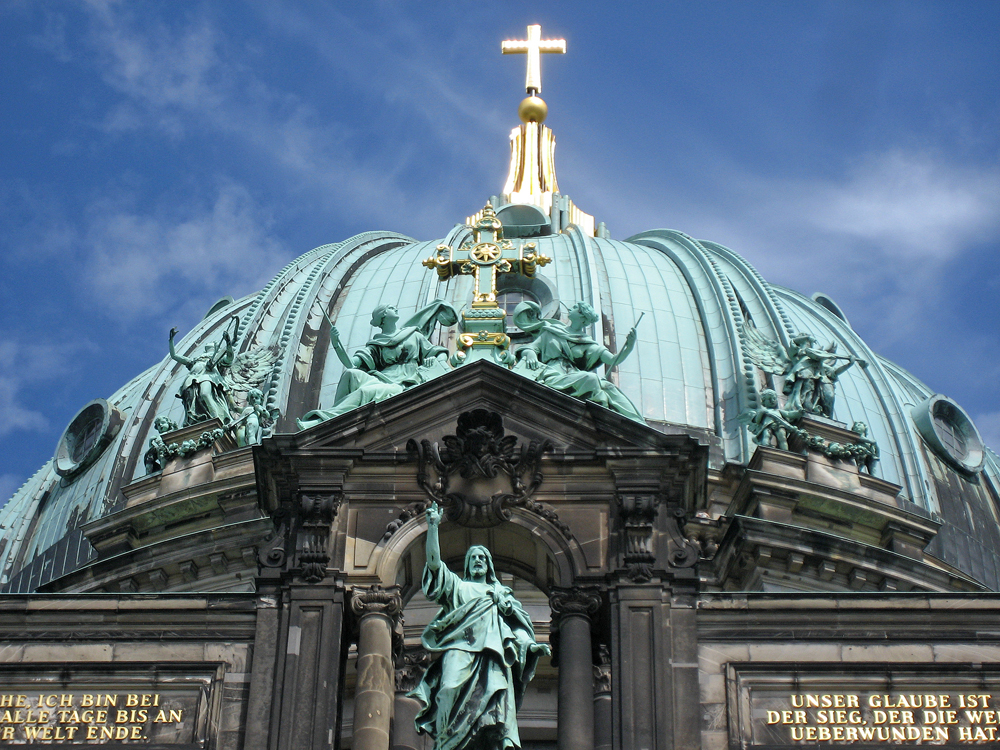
[(910, 206), (190, 79), (133, 260), (22, 365)]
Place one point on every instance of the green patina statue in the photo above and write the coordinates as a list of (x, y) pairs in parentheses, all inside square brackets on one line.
[(470, 695), (768, 424), (391, 362), (563, 357), (866, 451), (205, 392), (810, 372)]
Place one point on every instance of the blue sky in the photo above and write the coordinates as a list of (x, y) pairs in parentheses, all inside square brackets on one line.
[(157, 156)]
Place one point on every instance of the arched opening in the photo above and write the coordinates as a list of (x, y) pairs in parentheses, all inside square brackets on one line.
[(530, 557)]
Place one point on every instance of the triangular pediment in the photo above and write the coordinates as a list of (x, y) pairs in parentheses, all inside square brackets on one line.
[(529, 410)]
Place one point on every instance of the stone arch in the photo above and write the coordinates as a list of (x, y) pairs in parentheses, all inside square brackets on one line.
[(527, 546)]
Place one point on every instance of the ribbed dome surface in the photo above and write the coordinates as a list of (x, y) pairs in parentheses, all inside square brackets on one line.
[(689, 368)]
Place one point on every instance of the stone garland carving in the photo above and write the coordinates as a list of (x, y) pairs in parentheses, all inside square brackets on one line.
[(638, 513), (160, 452), (479, 452)]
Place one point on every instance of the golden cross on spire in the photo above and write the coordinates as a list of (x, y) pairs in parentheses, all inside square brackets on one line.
[(532, 46)]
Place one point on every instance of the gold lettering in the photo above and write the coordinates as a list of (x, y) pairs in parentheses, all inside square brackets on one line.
[(91, 732), (22, 701), (66, 700), (107, 733), (6, 700), (838, 734), (136, 733), (797, 700), (797, 734), (121, 716), (122, 733), (102, 716), (175, 715), (8, 733), (86, 701), (161, 717)]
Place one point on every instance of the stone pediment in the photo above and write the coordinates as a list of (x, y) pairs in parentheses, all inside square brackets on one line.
[(529, 410)]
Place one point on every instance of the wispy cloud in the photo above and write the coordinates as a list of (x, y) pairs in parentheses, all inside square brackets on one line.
[(132, 260), (21, 366), (188, 80)]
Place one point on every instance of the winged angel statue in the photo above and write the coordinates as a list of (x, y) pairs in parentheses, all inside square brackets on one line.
[(810, 372), (215, 380)]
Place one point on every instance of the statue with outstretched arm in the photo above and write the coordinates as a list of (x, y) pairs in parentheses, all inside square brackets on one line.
[(487, 653)]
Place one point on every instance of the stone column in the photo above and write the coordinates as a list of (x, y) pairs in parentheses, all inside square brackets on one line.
[(572, 609), (602, 702), (378, 611)]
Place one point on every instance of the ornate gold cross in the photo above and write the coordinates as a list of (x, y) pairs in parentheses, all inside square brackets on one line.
[(532, 46), (487, 255)]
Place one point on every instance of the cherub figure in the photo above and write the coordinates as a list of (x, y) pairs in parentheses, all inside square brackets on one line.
[(156, 456), (254, 419), (768, 424), (866, 451)]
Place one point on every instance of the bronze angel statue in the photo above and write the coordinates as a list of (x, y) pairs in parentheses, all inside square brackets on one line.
[(215, 379), (810, 372)]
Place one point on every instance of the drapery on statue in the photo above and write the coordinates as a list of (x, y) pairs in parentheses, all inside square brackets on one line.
[(810, 372), (394, 360), (469, 696), (563, 357), (205, 392), (215, 379)]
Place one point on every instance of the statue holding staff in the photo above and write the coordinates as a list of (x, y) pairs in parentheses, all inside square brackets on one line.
[(488, 653)]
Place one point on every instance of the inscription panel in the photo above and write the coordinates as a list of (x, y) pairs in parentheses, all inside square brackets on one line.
[(780, 706), (144, 705)]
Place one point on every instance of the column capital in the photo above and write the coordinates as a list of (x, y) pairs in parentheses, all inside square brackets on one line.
[(375, 600), (575, 600)]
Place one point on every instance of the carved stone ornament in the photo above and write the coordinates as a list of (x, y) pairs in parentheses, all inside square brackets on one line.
[(479, 474), (602, 671), (302, 526), (639, 512), (414, 664)]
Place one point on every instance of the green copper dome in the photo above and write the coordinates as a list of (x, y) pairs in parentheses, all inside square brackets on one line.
[(689, 369)]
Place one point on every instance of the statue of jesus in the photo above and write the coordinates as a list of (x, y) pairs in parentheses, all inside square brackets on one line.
[(469, 696)]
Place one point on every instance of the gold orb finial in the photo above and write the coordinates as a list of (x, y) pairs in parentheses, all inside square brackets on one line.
[(533, 109)]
